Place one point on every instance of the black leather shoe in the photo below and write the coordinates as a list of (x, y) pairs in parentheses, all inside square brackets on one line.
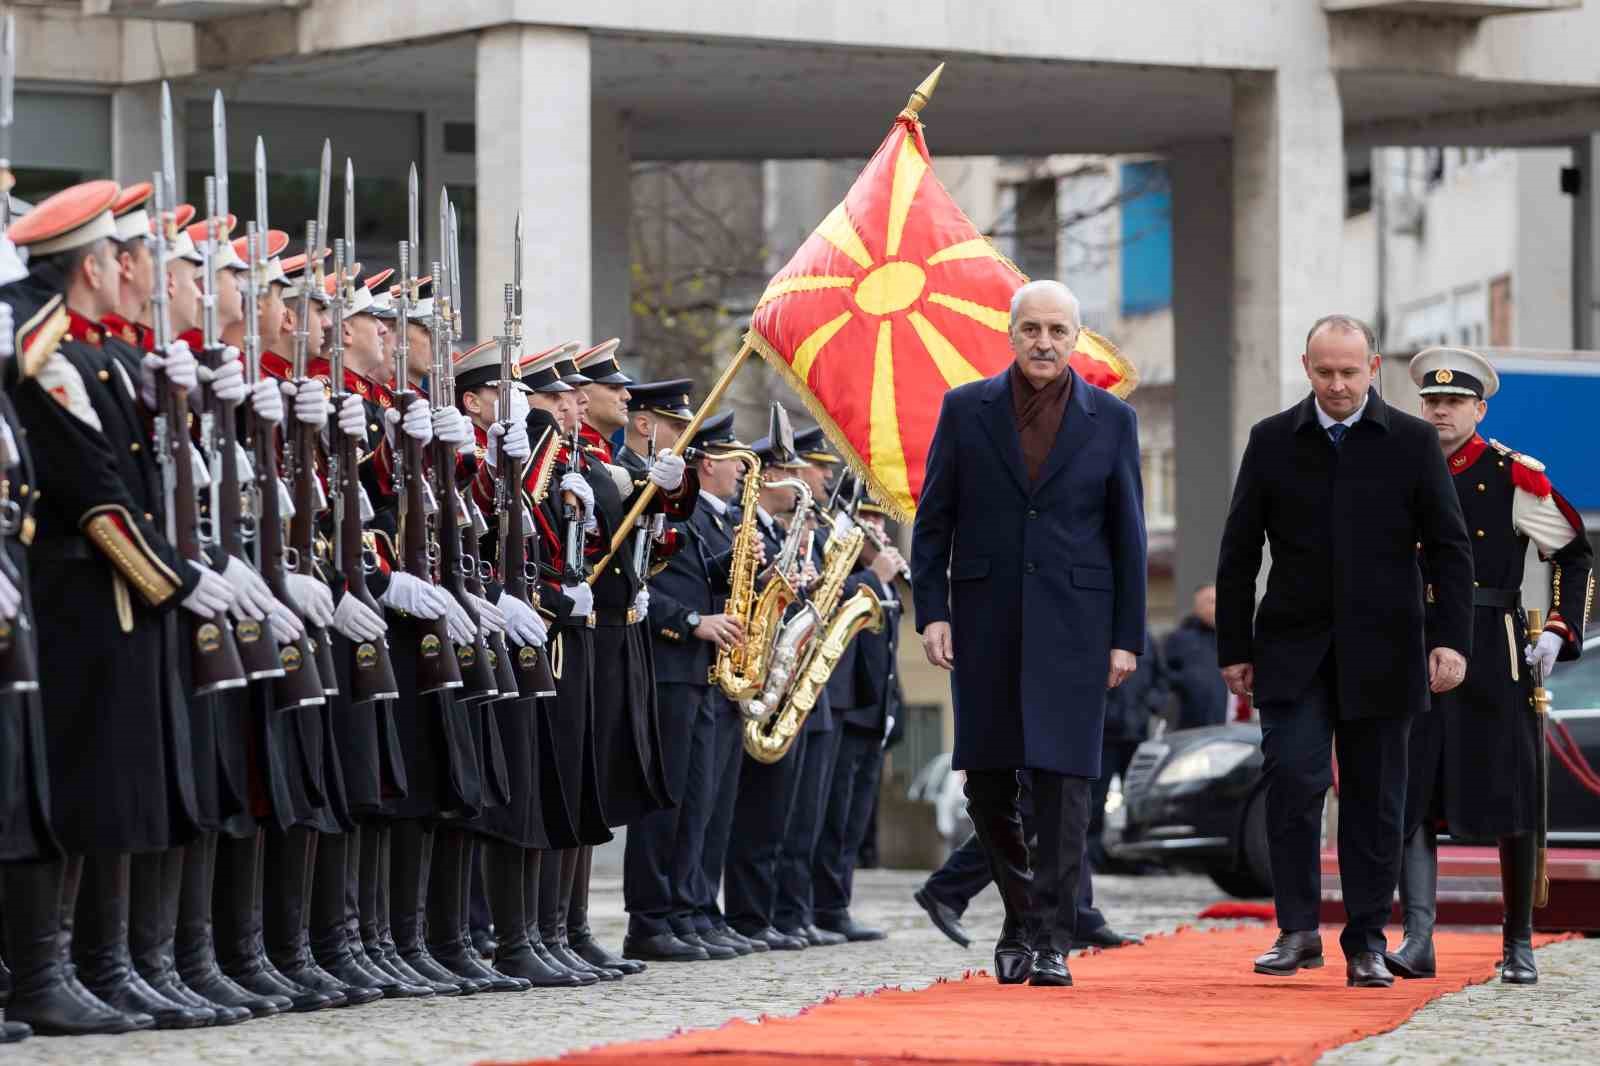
[(943, 916), (1049, 969), (733, 936), (11, 1032), (584, 977), (387, 958), (1517, 966), (1291, 952), (814, 937), (850, 929), (595, 953), (775, 940), (562, 952), (720, 938), (525, 963), (426, 966), (484, 944), (1012, 962), (1104, 937), (662, 947), (718, 952), (1413, 958), (1367, 970)]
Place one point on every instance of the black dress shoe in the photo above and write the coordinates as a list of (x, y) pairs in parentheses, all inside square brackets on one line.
[(718, 952), (429, 968), (943, 916), (1367, 970), (11, 1032), (662, 947), (593, 952), (562, 952), (1049, 969), (814, 937), (850, 929), (775, 940), (723, 938), (525, 963), (1517, 966), (1291, 952), (484, 944), (733, 936), (585, 977), (132, 995), (1012, 962), (1413, 958), (389, 961), (1103, 937)]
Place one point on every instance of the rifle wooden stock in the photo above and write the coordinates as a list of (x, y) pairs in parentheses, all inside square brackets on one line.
[(371, 668), (436, 667), (519, 556), (302, 538), (300, 685), (477, 670)]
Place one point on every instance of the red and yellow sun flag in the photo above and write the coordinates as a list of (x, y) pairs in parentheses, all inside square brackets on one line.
[(893, 300)]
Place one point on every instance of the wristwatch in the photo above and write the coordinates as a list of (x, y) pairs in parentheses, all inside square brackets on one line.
[(693, 618)]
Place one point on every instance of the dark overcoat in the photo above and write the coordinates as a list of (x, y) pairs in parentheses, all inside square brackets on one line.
[(1039, 580), (1347, 527)]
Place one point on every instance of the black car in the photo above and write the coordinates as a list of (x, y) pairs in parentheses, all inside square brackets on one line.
[(1194, 799)]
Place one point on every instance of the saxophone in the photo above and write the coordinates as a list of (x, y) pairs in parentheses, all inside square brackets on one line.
[(752, 659), (729, 671), (808, 650)]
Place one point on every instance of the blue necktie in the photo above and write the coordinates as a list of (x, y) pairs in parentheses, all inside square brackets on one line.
[(1336, 433)]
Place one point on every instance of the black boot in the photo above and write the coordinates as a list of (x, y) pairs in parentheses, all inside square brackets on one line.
[(559, 948), (376, 930), (472, 869), (413, 853), (1419, 902), (328, 928), (362, 865), (240, 926), (580, 940), (289, 868), (554, 895), (448, 942), (1518, 868), (154, 942), (505, 877), (100, 944), (195, 950), (1000, 833), (42, 995)]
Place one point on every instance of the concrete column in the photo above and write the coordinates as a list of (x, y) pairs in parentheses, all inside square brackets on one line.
[(1202, 310), (610, 184), (136, 134), (1288, 217), (1585, 245), (533, 115)]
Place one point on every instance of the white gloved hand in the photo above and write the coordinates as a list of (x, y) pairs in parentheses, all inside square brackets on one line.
[(313, 597), (266, 400), (490, 617), (284, 623), (667, 471), (582, 597), (452, 427), (180, 366), (415, 597), (514, 441), (310, 401), (353, 417), (641, 603), (251, 597), (417, 422), (1543, 654), (458, 623), (10, 596), (518, 411), (211, 596), (523, 623), (842, 525), (575, 484), (357, 621), (227, 380)]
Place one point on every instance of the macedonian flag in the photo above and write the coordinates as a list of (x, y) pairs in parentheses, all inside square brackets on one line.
[(893, 300)]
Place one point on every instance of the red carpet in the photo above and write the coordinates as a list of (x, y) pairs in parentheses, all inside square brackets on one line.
[(1189, 998), (1240, 908)]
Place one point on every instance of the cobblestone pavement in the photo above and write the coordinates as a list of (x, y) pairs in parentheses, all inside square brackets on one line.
[(453, 1032)]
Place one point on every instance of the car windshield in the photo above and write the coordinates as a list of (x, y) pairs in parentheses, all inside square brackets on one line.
[(1576, 686)]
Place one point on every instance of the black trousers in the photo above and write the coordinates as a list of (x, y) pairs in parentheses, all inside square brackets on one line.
[(965, 873), (856, 772), (760, 817), (1039, 884), (727, 757), (1297, 741), (793, 910), (651, 870)]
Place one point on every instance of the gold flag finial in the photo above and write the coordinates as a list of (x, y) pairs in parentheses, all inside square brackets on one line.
[(922, 93)]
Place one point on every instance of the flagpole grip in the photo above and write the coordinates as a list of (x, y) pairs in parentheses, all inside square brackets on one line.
[(648, 493)]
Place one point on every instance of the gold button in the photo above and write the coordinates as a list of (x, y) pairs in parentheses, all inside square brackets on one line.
[(1482, 487), (148, 517), (104, 375), (134, 447), (23, 491), (373, 428), (1480, 534)]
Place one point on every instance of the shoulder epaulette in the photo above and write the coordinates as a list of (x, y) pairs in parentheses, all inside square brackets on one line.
[(41, 335), (1526, 460), (544, 465)]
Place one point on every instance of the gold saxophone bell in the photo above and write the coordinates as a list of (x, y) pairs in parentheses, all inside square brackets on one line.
[(731, 670)]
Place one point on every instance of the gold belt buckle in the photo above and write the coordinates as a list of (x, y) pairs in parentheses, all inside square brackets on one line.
[(633, 616), (589, 621)]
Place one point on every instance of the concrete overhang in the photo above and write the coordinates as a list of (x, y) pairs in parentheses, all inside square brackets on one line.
[(1450, 8)]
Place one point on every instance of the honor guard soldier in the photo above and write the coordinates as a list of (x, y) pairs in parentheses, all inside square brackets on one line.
[(658, 413), (1475, 761)]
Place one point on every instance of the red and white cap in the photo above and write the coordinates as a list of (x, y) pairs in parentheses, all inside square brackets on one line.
[(269, 250), (224, 254), (182, 245), (72, 218), (361, 302)]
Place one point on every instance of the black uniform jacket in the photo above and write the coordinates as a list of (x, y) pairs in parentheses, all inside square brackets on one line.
[(695, 580)]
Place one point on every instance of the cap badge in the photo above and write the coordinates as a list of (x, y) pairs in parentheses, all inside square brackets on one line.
[(1444, 377)]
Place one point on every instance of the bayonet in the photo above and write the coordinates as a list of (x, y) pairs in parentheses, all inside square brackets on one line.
[(262, 225), (219, 151), (324, 181), (8, 95), (350, 216), (455, 274), (413, 239), (169, 164)]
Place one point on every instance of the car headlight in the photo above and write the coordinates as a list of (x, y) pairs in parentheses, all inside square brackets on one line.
[(1209, 761)]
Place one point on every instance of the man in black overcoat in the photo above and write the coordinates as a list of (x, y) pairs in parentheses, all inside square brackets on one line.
[(1350, 495)]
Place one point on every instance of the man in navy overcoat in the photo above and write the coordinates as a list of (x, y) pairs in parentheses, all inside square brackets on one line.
[(1028, 566)]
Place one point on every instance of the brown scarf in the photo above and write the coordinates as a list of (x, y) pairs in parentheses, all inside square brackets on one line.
[(1039, 413)]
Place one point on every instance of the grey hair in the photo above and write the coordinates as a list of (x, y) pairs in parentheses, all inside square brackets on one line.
[(1055, 287), (1343, 324)]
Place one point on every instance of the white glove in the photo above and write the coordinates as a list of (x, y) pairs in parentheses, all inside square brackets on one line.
[(641, 603), (514, 441), (10, 596), (417, 423), (212, 596), (284, 623), (267, 401), (452, 427), (667, 471), (490, 617), (310, 401), (227, 380), (458, 623), (179, 366), (251, 597), (523, 623), (582, 597), (415, 597), (353, 417), (1543, 654), (575, 484), (357, 621), (519, 407), (313, 597), (842, 525)]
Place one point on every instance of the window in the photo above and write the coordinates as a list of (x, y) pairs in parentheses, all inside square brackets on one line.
[(1146, 238), (1500, 311)]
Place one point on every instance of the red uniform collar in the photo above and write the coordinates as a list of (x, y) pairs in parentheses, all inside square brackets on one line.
[(276, 366), (481, 435), (84, 329), (594, 443), (194, 339), (1468, 454), (134, 333)]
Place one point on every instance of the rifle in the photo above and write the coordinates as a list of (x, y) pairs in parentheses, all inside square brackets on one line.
[(477, 671), (370, 669), (572, 512), (8, 96), (218, 426), (19, 654)]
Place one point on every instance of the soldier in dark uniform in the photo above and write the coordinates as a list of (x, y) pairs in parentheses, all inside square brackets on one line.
[(1474, 760), (662, 872), (103, 577)]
